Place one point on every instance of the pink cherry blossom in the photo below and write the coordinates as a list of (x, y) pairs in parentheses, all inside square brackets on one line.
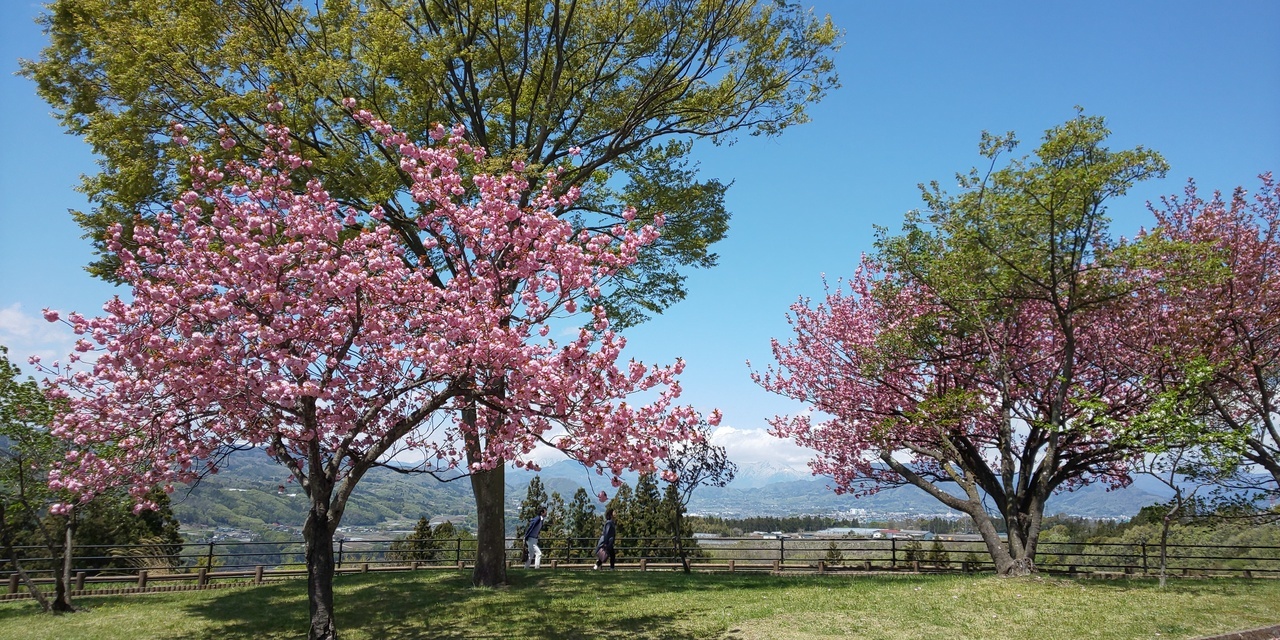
[(1214, 298), (263, 313)]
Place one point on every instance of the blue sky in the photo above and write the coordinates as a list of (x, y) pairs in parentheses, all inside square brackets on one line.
[(1197, 81)]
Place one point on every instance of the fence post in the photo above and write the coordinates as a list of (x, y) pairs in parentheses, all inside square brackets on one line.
[(457, 551), (257, 574), (782, 550), (730, 565), (209, 558), (79, 581), (1144, 557), (893, 553), (142, 578), (341, 541), (13, 583), (202, 577)]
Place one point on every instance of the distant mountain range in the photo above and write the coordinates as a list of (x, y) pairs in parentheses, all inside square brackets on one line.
[(253, 491), (766, 488)]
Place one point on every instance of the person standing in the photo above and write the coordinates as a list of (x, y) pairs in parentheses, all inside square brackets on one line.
[(605, 546), (531, 539)]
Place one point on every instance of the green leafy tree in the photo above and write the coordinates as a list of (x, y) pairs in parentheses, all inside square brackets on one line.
[(454, 544), (26, 448), (146, 540), (613, 92), (101, 534), (980, 349), (629, 84)]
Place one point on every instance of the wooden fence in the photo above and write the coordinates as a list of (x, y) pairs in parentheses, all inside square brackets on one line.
[(138, 568)]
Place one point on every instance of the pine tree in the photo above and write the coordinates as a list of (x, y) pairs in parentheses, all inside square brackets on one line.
[(914, 551), (622, 504), (535, 497), (419, 546), (582, 525), (554, 531), (938, 555), (648, 522), (446, 538), (834, 557)]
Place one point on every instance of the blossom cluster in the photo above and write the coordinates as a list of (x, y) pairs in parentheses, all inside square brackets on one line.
[(265, 313)]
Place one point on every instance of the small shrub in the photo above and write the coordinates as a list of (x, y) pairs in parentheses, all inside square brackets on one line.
[(834, 557), (971, 561), (914, 550), (938, 555)]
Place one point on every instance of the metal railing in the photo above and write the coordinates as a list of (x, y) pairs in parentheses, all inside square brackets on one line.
[(199, 565)]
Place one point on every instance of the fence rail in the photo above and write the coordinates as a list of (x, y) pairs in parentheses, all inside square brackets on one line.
[(201, 565)]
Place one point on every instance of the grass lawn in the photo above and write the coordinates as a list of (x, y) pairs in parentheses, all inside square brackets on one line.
[(547, 604)]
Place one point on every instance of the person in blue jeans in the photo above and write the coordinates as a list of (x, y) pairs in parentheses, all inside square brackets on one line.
[(531, 539), (606, 541)]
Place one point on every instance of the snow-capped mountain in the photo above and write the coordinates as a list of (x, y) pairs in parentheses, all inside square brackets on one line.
[(753, 475)]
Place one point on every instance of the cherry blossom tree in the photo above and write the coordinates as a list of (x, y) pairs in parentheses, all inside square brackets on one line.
[(978, 356), (263, 313), (1216, 321)]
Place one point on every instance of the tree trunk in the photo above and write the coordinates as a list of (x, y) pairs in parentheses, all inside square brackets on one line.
[(62, 578), (679, 542), (1010, 560), (319, 542), (1167, 522), (489, 488), (1164, 552), (1021, 548)]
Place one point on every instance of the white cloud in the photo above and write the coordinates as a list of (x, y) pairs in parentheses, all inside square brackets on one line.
[(29, 334), (746, 446)]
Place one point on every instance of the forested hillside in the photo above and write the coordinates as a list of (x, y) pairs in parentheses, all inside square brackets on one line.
[(252, 491)]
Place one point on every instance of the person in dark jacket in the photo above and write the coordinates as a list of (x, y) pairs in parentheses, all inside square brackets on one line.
[(531, 539), (605, 544)]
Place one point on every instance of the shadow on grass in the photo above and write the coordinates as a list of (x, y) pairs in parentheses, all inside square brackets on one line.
[(559, 604), (412, 606)]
